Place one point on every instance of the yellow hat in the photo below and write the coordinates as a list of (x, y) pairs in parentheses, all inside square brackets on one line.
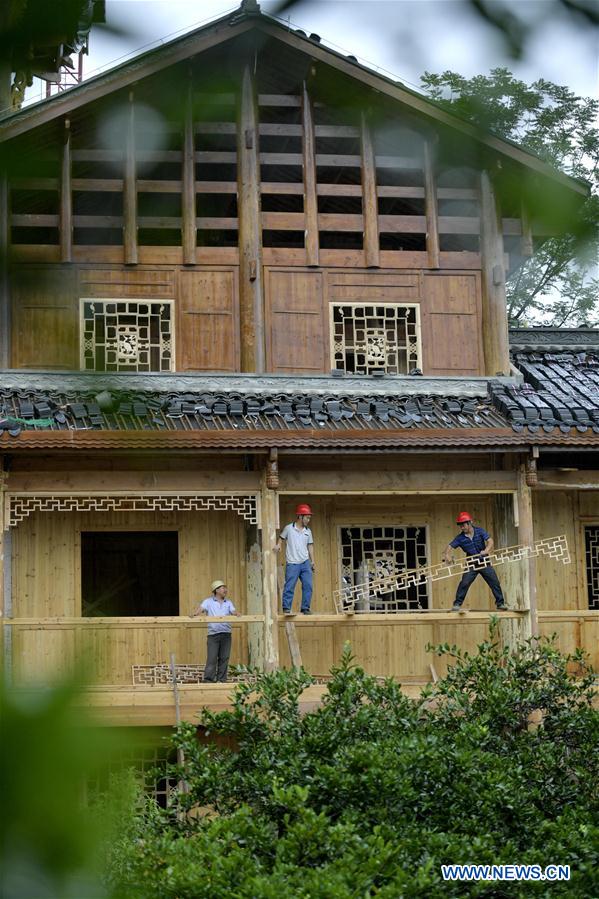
[(217, 584)]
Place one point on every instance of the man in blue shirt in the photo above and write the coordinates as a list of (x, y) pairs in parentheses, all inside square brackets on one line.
[(477, 544), (219, 633)]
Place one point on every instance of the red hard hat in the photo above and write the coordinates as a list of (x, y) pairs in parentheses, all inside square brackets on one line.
[(463, 517), (303, 509)]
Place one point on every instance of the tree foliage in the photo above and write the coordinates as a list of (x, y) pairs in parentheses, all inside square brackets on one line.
[(370, 793), (558, 285)]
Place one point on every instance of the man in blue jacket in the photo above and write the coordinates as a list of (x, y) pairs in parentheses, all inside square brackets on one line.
[(477, 544)]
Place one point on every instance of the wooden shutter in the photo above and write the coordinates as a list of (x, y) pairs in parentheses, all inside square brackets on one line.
[(208, 321), (297, 330), (45, 314), (451, 325)]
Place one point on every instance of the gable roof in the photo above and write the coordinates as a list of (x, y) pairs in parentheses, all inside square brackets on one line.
[(231, 26)]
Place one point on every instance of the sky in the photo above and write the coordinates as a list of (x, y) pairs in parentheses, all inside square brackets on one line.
[(402, 37)]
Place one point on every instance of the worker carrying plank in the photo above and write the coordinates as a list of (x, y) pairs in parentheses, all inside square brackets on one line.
[(299, 558), (477, 544)]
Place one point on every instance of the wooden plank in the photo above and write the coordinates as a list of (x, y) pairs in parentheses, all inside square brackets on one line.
[(451, 325), (339, 190), (106, 185), (269, 129), (250, 230), (281, 159), (281, 188), (338, 222), (283, 221), (188, 198), (402, 224), (278, 100), (130, 189), (338, 160), (310, 199), (293, 642), (215, 156), (90, 481), (430, 190), (45, 319), (410, 193), (494, 306), (369, 197)]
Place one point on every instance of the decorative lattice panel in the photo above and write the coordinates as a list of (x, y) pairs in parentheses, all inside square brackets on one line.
[(150, 762), (371, 554), (159, 675), (367, 338), (127, 335), (591, 541), (22, 505)]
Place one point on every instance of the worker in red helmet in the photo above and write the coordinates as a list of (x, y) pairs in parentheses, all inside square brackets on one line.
[(477, 544), (299, 558)]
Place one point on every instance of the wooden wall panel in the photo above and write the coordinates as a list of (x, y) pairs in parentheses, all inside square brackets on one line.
[(296, 326), (121, 283), (208, 321), (558, 585), (45, 319), (451, 325)]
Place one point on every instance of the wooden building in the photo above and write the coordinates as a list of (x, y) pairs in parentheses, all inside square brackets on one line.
[(243, 270)]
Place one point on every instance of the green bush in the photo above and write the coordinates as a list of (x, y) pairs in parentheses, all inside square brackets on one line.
[(370, 793)]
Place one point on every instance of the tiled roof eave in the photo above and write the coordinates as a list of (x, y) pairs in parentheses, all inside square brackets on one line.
[(472, 438)]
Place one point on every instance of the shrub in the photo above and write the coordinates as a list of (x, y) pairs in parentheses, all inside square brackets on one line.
[(370, 793)]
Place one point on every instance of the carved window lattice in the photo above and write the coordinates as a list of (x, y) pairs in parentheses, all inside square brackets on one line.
[(372, 552), (127, 335), (591, 540), (150, 762), (161, 675), (20, 506), (369, 338)]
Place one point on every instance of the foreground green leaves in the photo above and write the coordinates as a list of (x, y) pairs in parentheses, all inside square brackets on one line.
[(371, 793)]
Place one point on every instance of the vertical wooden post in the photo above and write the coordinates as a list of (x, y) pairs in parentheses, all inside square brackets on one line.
[(310, 197), (254, 598), (188, 194), (5, 323), (130, 189), (494, 307), (251, 301), (66, 197), (526, 245), (270, 521), (526, 535), (369, 197), (430, 203)]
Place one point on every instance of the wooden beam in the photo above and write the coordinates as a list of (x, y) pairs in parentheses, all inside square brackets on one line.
[(494, 307), (369, 197), (5, 348), (366, 483), (130, 189), (270, 592), (526, 535), (430, 203), (251, 300), (294, 647), (188, 194), (310, 197), (66, 197)]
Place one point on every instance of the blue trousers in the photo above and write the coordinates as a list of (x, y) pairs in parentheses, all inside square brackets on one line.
[(489, 575), (293, 571)]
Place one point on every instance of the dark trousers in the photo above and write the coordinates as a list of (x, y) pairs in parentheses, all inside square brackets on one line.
[(217, 662), (489, 575)]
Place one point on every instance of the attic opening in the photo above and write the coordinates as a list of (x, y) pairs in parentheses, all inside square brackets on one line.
[(129, 573)]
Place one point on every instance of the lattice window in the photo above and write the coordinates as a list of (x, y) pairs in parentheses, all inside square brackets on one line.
[(591, 539), (127, 335), (371, 552), (370, 338), (150, 762)]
